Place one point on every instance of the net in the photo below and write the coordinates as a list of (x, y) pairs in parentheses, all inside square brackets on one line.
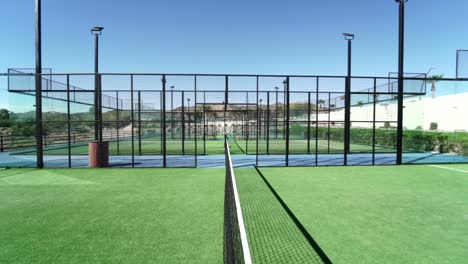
[(275, 233), (236, 248)]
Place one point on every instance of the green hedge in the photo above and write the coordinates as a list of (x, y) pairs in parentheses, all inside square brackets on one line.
[(413, 140)]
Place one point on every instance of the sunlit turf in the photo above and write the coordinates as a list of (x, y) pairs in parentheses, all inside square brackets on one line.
[(408, 214), (303, 146), (152, 146), (111, 216)]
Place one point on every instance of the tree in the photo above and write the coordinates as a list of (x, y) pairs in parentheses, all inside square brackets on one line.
[(320, 103), (434, 79), (4, 118)]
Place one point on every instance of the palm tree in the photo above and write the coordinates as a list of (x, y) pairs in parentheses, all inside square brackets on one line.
[(433, 79), (321, 103)]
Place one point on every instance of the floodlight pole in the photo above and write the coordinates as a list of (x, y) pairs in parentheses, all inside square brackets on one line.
[(38, 78), (347, 129), (401, 47), (97, 31)]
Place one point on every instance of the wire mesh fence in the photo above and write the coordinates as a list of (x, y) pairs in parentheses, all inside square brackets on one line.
[(163, 120)]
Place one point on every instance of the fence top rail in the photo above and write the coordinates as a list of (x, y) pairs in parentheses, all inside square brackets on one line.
[(313, 91), (234, 75)]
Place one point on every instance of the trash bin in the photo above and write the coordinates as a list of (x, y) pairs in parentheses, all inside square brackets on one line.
[(98, 154)]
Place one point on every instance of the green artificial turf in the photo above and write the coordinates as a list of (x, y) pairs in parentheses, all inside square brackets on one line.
[(407, 214), (111, 216), (303, 146), (215, 147)]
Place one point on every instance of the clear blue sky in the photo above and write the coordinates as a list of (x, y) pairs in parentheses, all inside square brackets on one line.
[(254, 37)]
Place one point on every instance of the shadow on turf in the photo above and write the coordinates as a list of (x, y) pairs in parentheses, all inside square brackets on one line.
[(296, 221)]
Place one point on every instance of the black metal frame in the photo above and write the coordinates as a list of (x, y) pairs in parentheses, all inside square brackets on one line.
[(38, 90), (230, 93)]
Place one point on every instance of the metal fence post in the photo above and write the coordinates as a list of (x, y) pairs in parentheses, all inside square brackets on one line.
[(258, 125), (401, 47), (268, 124), (316, 120), (247, 128), (68, 122), (329, 120), (161, 121), (226, 102), (205, 130), (196, 130), (132, 120), (347, 120), (183, 123), (118, 122), (38, 91), (287, 120), (139, 123), (163, 80), (276, 113), (308, 123), (373, 121)]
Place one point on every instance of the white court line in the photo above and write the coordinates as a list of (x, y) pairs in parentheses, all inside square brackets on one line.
[(448, 168)]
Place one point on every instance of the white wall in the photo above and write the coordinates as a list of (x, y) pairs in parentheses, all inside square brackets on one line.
[(450, 112)]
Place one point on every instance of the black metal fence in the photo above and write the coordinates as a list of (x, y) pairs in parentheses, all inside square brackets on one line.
[(176, 120)]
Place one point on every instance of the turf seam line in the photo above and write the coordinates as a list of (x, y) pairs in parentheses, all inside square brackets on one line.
[(296, 221), (448, 168)]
